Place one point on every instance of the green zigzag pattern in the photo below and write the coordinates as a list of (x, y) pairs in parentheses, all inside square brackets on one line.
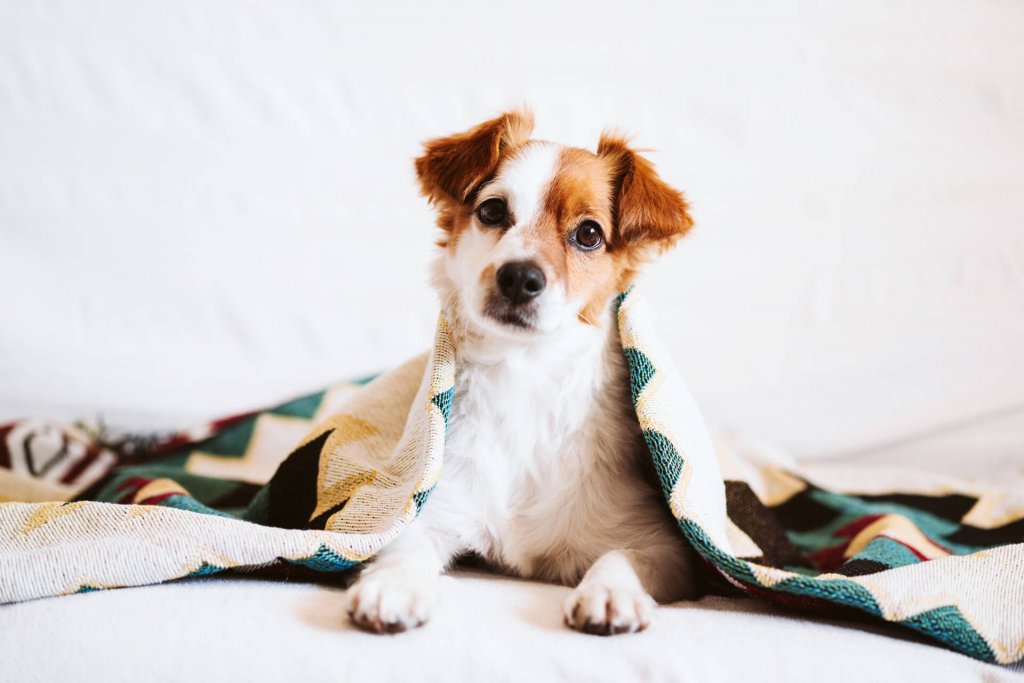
[(948, 625), (324, 560), (944, 624)]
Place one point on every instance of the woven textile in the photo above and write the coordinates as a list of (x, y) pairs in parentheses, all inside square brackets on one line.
[(82, 511)]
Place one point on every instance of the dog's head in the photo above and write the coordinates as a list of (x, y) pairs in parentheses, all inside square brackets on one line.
[(538, 236)]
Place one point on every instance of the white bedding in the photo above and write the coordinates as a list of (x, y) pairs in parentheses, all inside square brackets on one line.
[(208, 207), (488, 628)]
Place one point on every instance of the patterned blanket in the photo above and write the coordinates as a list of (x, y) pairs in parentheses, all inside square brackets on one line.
[(82, 510)]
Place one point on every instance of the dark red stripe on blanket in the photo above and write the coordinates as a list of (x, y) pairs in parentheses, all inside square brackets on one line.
[(856, 526), (157, 499), (92, 454)]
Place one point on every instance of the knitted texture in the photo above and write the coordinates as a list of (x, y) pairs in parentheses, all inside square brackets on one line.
[(323, 482)]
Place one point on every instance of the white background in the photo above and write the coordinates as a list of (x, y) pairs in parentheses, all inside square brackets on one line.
[(207, 207)]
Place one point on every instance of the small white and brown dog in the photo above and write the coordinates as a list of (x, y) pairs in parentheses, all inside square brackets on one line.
[(546, 472)]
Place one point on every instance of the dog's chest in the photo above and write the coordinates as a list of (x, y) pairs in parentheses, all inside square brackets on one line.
[(535, 455)]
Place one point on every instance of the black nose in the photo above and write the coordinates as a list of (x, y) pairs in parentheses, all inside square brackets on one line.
[(520, 282)]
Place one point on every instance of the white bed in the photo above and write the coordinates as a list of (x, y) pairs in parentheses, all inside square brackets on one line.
[(207, 208), (488, 628)]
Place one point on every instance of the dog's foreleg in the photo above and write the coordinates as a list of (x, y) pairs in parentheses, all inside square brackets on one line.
[(615, 595), (399, 589)]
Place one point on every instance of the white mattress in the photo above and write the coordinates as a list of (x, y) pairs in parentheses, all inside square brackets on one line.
[(208, 207), (487, 628)]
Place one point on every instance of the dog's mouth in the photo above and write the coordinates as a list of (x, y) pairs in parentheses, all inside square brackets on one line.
[(518, 316)]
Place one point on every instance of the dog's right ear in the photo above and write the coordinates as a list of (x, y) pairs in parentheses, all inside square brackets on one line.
[(453, 167)]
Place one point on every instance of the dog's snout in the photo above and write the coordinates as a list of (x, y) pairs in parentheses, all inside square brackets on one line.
[(520, 281)]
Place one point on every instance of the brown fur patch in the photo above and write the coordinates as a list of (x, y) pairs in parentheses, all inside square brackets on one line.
[(453, 167), (488, 275), (637, 211), (639, 214), (453, 219), (581, 190), (646, 208)]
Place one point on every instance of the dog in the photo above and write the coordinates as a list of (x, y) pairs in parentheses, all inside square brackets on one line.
[(547, 475)]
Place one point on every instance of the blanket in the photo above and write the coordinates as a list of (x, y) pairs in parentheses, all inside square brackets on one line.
[(83, 510)]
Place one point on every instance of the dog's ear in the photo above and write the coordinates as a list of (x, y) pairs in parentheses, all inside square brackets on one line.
[(452, 167), (646, 210)]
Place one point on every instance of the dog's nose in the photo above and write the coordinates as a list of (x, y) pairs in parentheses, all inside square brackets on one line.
[(520, 281)]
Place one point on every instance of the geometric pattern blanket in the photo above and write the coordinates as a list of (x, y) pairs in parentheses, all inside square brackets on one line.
[(322, 483)]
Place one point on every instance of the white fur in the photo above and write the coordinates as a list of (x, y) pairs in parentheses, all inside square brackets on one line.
[(525, 179), (544, 462), (523, 182)]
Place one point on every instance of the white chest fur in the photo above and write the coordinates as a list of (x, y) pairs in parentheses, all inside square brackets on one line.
[(543, 469)]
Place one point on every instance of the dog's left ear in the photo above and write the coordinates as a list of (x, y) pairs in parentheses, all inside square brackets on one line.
[(453, 167), (647, 211)]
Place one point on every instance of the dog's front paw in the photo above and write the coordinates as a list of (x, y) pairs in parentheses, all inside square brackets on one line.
[(608, 611), (391, 601)]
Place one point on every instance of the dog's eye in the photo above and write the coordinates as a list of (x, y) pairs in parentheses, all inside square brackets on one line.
[(492, 212), (588, 236)]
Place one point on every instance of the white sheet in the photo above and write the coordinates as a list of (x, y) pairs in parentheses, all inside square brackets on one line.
[(488, 628), (207, 207)]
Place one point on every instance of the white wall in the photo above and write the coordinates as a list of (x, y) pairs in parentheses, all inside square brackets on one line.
[(206, 208)]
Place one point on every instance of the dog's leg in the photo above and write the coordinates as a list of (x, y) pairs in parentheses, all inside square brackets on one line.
[(399, 589), (615, 593)]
